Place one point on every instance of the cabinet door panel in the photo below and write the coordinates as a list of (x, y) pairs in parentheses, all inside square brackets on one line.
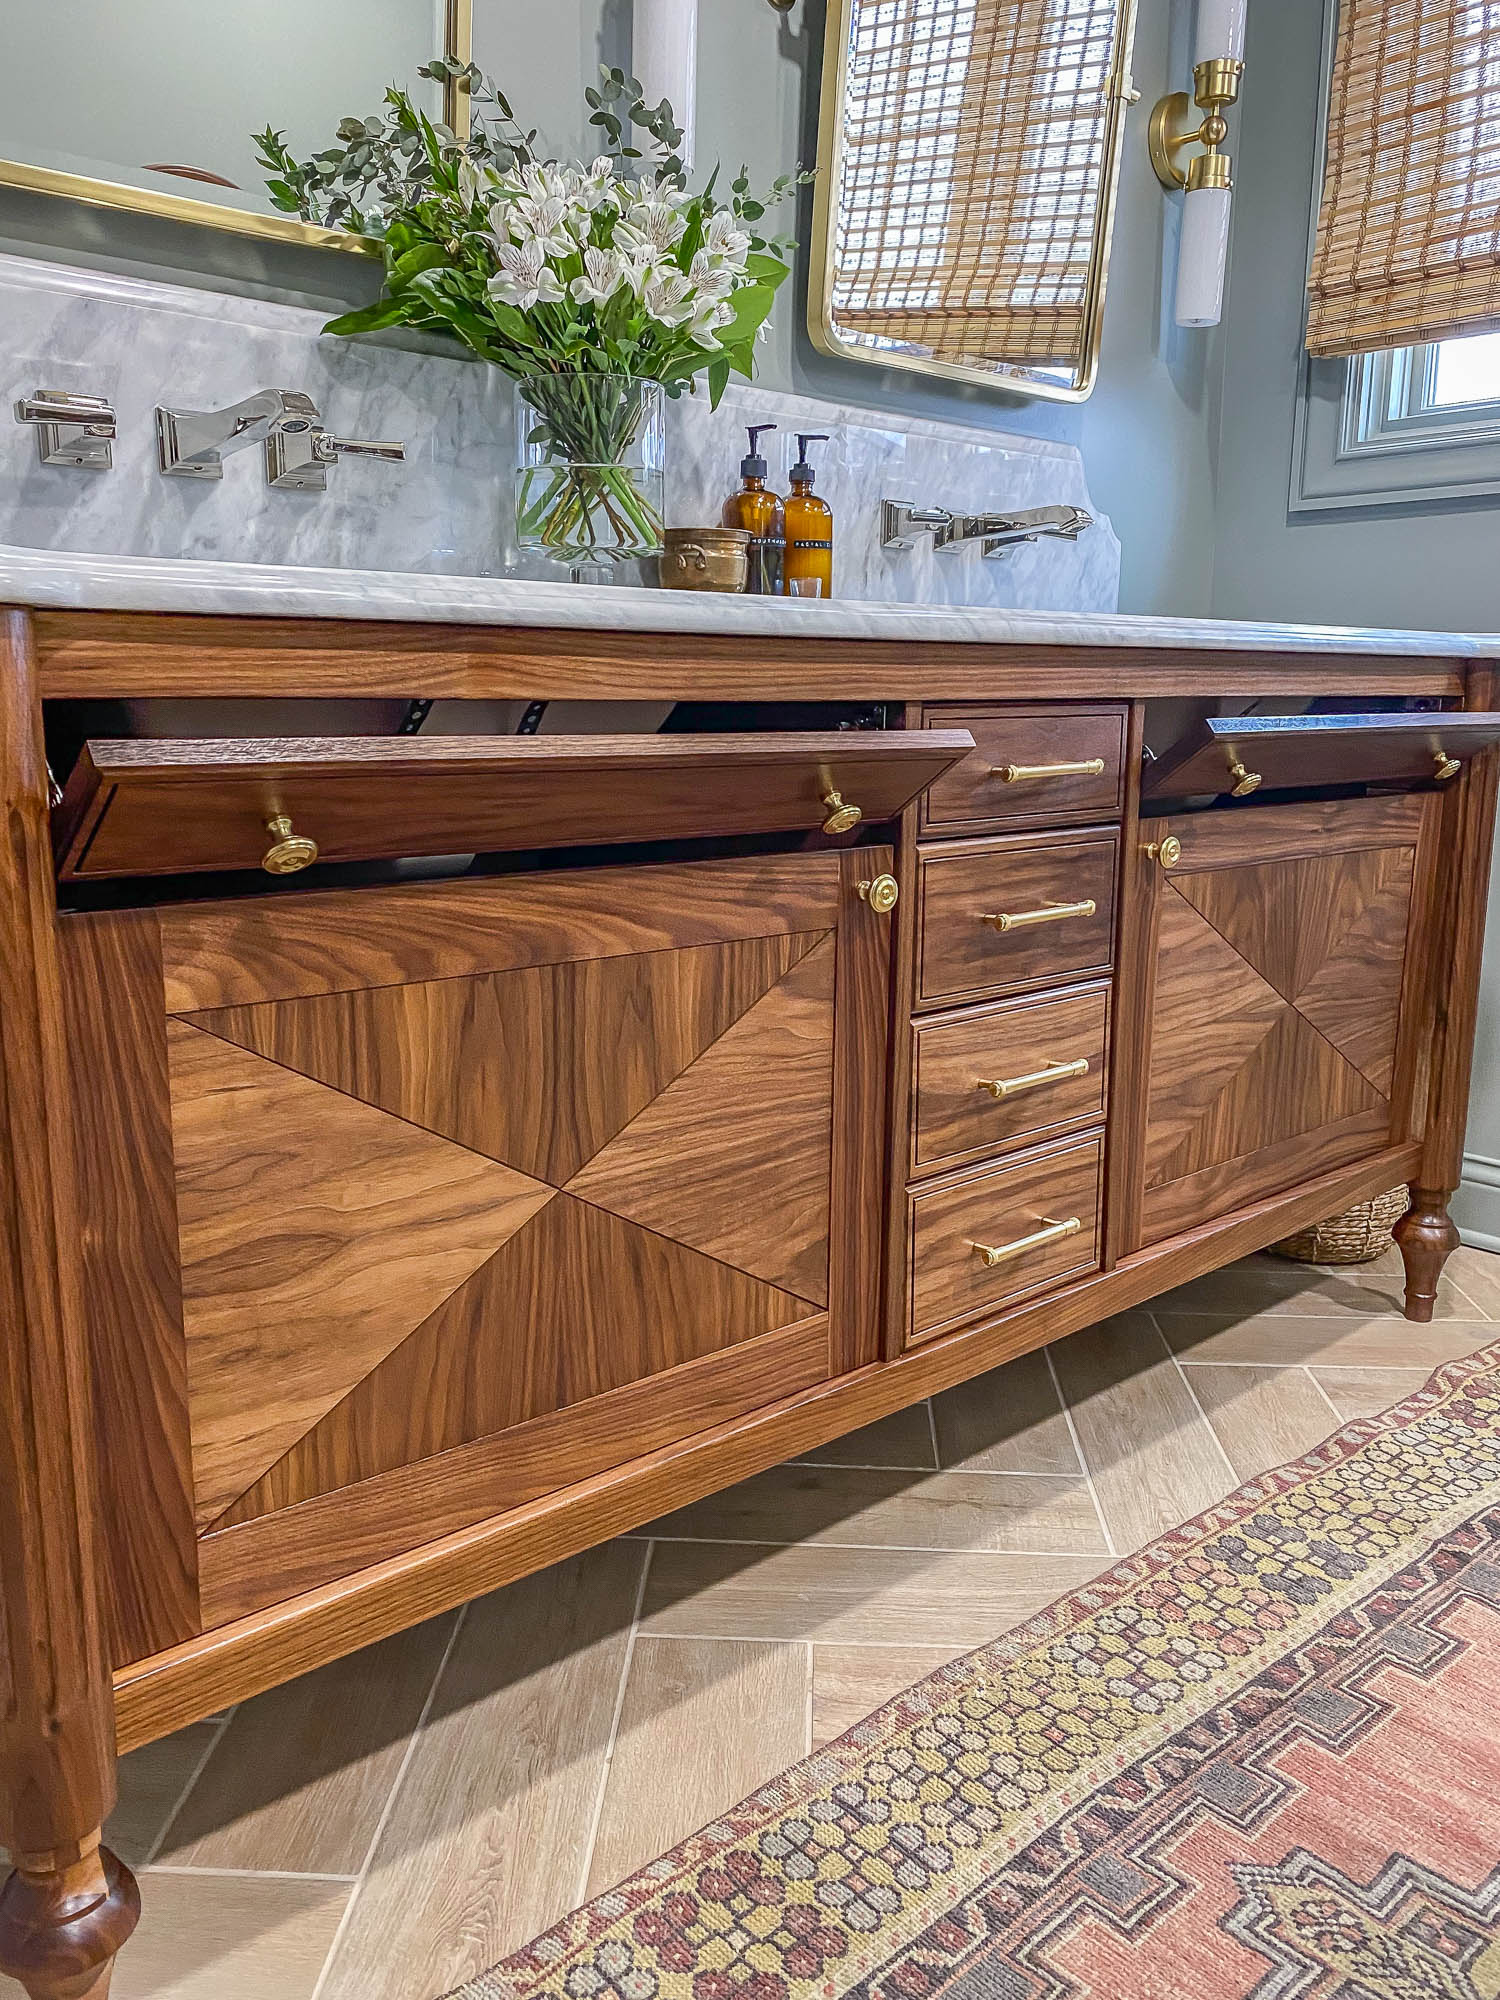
[(559, 1198), (1275, 1002)]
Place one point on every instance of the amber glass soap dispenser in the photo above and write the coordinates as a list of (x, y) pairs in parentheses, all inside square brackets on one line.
[(809, 528), (757, 510)]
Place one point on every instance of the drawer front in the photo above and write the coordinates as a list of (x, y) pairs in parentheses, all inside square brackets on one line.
[(995, 915), (1013, 1212), (1024, 770), (993, 1076)]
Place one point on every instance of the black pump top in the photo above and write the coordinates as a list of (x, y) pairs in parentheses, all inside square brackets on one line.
[(753, 465), (802, 470)]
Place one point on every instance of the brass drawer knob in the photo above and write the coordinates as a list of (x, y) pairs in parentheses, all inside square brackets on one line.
[(1444, 767), (1244, 781), (1017, 1086), (1049, 913), (289, 852), (1018, 774), (1168, 852), (841, 814), (881, 893), (1004, 1253)]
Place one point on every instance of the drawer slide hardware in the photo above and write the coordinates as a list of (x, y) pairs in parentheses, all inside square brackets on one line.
[(1168, 852), (1005, 1253), (289, 852), (881, 893), (842, 814), (1017, 1086), (1016, 774), (1444, 767), (1049, 913)]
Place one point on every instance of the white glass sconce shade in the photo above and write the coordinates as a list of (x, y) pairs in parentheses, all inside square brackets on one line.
[(1202, 255), (1220, 31), (664, 56)]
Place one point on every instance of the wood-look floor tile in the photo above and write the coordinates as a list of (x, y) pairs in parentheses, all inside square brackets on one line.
[(1365, 1392), (704, 1723), (301, 1775), (1153, 1458), (1278, 1287), (851, 1596), (1007, 1421), (867, 1507), (850, 1682), (152, 1781), (1285, 1340), (225, 1937), (488, 1834), (1263, 1417), (903, 1439), (1476, 1273)]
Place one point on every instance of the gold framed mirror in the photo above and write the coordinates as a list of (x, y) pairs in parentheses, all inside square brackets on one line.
[(124, 103), (968, 160)]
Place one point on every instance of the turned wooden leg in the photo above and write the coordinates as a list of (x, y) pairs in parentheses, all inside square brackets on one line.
[(68, 1905), (1425, 1236), (61, 1925)]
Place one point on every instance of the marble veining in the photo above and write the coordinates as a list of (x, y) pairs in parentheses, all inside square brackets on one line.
[(447, 510), (123, 583)]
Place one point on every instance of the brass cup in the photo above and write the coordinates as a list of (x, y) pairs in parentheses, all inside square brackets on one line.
[(705, 559)]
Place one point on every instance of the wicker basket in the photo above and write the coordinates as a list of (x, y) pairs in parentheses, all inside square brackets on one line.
[(1354, 1237)]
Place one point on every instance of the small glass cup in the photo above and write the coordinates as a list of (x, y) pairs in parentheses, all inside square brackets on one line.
[(804, 586)]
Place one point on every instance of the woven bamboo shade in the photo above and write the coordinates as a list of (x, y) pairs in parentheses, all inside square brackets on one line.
[(973, 163), (1408, 242)]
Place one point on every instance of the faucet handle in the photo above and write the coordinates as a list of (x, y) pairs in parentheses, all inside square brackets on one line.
[(300, 460), (70, 429), (899, 517)]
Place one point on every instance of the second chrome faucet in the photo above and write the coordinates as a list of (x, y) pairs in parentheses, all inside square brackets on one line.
[(193, 444)]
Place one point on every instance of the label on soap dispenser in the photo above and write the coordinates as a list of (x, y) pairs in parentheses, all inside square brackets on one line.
[(798, 543)]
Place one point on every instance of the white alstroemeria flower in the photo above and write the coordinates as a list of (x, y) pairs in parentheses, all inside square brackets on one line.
[(597, 186), (703, 327), (604, 271), (543, 183), (653, 226), (713, 279), (544, 222), (475, 183), (724, 240), (666, 297), (525, 278)]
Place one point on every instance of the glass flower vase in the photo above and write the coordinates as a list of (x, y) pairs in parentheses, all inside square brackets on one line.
[(590, 465)]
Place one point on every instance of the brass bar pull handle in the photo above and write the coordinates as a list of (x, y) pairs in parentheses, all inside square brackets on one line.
[(1049, 913), (1004, 1253), (1016, 774), (1052, 1072)]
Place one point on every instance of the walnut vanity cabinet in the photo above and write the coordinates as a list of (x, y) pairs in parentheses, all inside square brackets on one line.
[(375, 1235)]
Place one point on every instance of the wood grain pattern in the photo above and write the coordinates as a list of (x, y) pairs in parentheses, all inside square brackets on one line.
[(68, 1905), (88, 653), (1308, 750), (1292, 832), (960, 882), (954, 1120), (734, 1156), (122, 1127), (538, 1068), (950, 1283), (254, 1652), (279, 947), (252, 1564), (861, 1118), (1130, 1052), (1229, 1184), (575, 1303), (154, 807), (972, 798), (316, 1233)]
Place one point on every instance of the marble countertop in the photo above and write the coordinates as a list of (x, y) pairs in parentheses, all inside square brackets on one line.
[(251, 590)]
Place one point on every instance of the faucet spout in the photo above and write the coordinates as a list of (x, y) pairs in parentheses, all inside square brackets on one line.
[(999, 532), (193, 444)]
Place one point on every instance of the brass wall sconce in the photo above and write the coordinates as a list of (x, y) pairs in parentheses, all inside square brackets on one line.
[(1203, 247)]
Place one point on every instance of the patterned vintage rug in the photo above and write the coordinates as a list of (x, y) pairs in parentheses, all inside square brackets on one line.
[(1260, 1759)]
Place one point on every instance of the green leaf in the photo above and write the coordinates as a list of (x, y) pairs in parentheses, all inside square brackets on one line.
[(770, 270), (425, 257), (718, 379), (369, 319)]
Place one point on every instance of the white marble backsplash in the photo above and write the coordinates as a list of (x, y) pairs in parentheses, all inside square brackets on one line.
[(446, 511)]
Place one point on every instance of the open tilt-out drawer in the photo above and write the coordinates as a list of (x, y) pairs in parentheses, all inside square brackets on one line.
[(157, 807), (1236, 755)]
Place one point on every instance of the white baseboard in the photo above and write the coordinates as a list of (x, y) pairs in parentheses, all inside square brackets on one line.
[(1476, 1204)]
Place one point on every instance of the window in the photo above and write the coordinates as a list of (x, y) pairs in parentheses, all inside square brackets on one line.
[(1440, 394)]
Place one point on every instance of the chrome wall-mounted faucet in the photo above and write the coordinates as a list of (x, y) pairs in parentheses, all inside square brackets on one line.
[(193, 444), (70, 429), (1000, 532)]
